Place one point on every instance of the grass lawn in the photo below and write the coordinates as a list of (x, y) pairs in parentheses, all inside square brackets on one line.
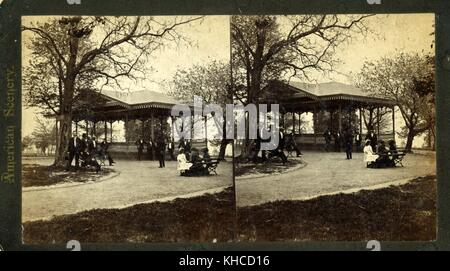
[(39, 175), (205, 218), (396, 213)]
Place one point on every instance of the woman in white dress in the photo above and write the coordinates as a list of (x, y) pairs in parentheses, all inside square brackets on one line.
[(183, 163), (369, 155)]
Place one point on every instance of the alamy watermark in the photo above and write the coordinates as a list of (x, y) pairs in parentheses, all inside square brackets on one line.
[(240, 122)]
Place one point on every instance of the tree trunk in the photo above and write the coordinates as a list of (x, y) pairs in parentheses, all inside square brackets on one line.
[(409, 140), (63, 138)]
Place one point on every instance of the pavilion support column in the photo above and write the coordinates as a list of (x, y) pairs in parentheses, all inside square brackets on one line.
[(87, 127), (106, 131), (360, 121), (293, 122), (111, 131), (76, 127), (126, 128), (315, 125), (94, 128), (206, 131), (393, 123), (152, 133), (331, 120), (300, 122), (378, 122), (143, 128), (172, 126), (340, 119)]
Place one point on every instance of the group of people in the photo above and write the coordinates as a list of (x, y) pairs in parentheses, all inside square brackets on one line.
[(88, 150), (380, 155), (347, 140), (191, 161), (159, 147), (285, 142)]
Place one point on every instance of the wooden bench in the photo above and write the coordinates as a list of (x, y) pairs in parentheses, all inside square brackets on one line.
[(202, 168), (391, 159), (211, 165)]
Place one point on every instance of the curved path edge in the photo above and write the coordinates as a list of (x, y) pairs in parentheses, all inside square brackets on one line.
[(301, 165), (349, 191), (69, 184), (163, 199)]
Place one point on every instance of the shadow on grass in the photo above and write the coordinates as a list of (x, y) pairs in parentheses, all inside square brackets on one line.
[(275, 167), (39, 175), (200, 219), (396, 213)]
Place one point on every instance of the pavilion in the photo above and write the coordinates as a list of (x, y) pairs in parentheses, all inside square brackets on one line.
[(339, 99), (151, 108)]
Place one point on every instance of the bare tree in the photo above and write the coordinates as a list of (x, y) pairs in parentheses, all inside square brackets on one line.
[(397, 78), (44, 134), (92, 51), (272, 47), (211, 82)]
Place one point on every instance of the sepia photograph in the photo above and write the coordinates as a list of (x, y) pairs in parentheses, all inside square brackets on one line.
[(353, 101), (102, 156)]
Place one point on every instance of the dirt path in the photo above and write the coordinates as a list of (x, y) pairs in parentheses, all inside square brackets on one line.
[(328, 173), (138, 182)]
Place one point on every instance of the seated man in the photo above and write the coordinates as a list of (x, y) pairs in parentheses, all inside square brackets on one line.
[(183, 164), (206, 157), (369, 156), (393, 149)]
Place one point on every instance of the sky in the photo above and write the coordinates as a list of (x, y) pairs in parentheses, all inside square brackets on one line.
[(209, 40), (394, 32)]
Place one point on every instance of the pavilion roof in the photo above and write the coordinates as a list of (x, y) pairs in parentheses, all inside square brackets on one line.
[(330, 94), (139, 99)]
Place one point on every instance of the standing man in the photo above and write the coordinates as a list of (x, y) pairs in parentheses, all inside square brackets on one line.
[(161, 148), (348, 144), (358, 140), (92, 147), (104, 151), (373, 140), (74, 151), (140, 143), (337, 141), (327, 137)]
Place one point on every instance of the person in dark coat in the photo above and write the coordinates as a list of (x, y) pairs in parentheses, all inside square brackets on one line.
[(291, 144), (74, 151), (171, 150), (161, 148), (93, 146), (327, 136), (337, 141), (140, 144), (104, 146), (348, 144), (90, 147), (373, 140), (281, 144)]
